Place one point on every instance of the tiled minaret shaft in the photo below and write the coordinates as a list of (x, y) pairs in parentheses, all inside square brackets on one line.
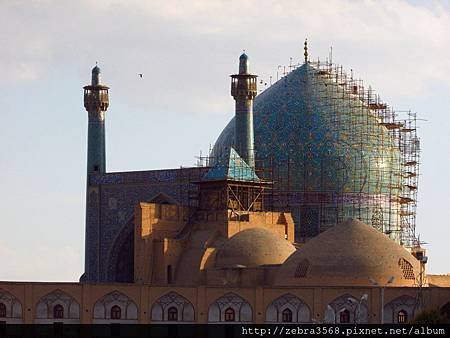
[(243, 89), (96, 102)]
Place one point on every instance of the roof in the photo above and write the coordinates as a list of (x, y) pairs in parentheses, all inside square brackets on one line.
[(253, 247), (350, 253), (438, 280), (231, 167)]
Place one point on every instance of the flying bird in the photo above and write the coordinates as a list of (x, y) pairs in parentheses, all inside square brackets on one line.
[(140, 75)]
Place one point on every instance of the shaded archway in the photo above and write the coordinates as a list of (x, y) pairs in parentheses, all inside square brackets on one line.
[(121, 257), (172, 307), (115, 307), (221, 309), (346, 309), (57, 306), (288, 307), (10, 308), (400, 310)]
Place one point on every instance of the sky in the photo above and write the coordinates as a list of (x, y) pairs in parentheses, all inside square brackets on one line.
[(186, 51)]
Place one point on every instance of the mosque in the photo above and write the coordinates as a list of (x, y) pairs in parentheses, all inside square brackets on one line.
[(303, 213)]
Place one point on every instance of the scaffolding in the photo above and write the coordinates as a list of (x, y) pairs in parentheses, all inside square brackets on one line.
[(385, 152), (374, 174)]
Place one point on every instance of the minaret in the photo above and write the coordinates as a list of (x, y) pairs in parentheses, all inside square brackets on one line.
[(96, 102), (305, 48), (243, 89)]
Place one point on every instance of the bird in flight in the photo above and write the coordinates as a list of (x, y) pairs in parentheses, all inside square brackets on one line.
[(140, 75)]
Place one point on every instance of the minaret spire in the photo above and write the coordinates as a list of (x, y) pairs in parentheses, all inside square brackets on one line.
[(243, 89), (306, 50), (96, 76)]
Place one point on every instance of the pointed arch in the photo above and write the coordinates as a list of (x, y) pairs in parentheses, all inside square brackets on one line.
[(230, 314), (11, 308), (58, 311), (172, 307), (57, 306), (400, 308), (120, 267), (286, 316), (300, 311), (162, 198), (344, 316), (230, 301), (116, 312), (346, 309), (108, 308)]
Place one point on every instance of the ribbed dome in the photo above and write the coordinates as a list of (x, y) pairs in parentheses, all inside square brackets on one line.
[(253, 247), (350, 253)]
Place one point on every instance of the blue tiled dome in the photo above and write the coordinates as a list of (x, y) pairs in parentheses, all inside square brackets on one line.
[(327, 148)]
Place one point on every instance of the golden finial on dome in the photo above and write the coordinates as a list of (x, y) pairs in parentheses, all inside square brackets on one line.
[(306, 50)]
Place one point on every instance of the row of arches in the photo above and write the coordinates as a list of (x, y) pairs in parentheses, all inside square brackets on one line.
[(173, 307)]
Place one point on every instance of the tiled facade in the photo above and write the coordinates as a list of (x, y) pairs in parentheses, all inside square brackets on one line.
[(111, 199)]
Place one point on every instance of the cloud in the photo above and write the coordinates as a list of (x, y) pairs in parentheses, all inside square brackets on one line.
[(187, 49)]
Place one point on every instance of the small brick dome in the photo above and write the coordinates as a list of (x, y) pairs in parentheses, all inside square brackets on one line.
[(253, 247)]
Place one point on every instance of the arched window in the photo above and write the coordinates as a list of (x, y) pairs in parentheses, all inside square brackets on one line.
[(172, 314), (402, 316), (116, 312), (300, 311), (345, 310), (229, 315), (172, 307), (230, 307), (404, 303), (2, 310), (287, 316), (344, 316), (115, 305), (58, 311)]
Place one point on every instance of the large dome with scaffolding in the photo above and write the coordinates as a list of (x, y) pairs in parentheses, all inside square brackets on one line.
[(334, 151)]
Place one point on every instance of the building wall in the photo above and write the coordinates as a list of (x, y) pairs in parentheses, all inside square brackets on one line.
[(171, 243), (138, 303), (111, 200)]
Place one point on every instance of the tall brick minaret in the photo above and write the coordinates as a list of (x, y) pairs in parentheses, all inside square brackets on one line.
[(96, 102), (243, 89)]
